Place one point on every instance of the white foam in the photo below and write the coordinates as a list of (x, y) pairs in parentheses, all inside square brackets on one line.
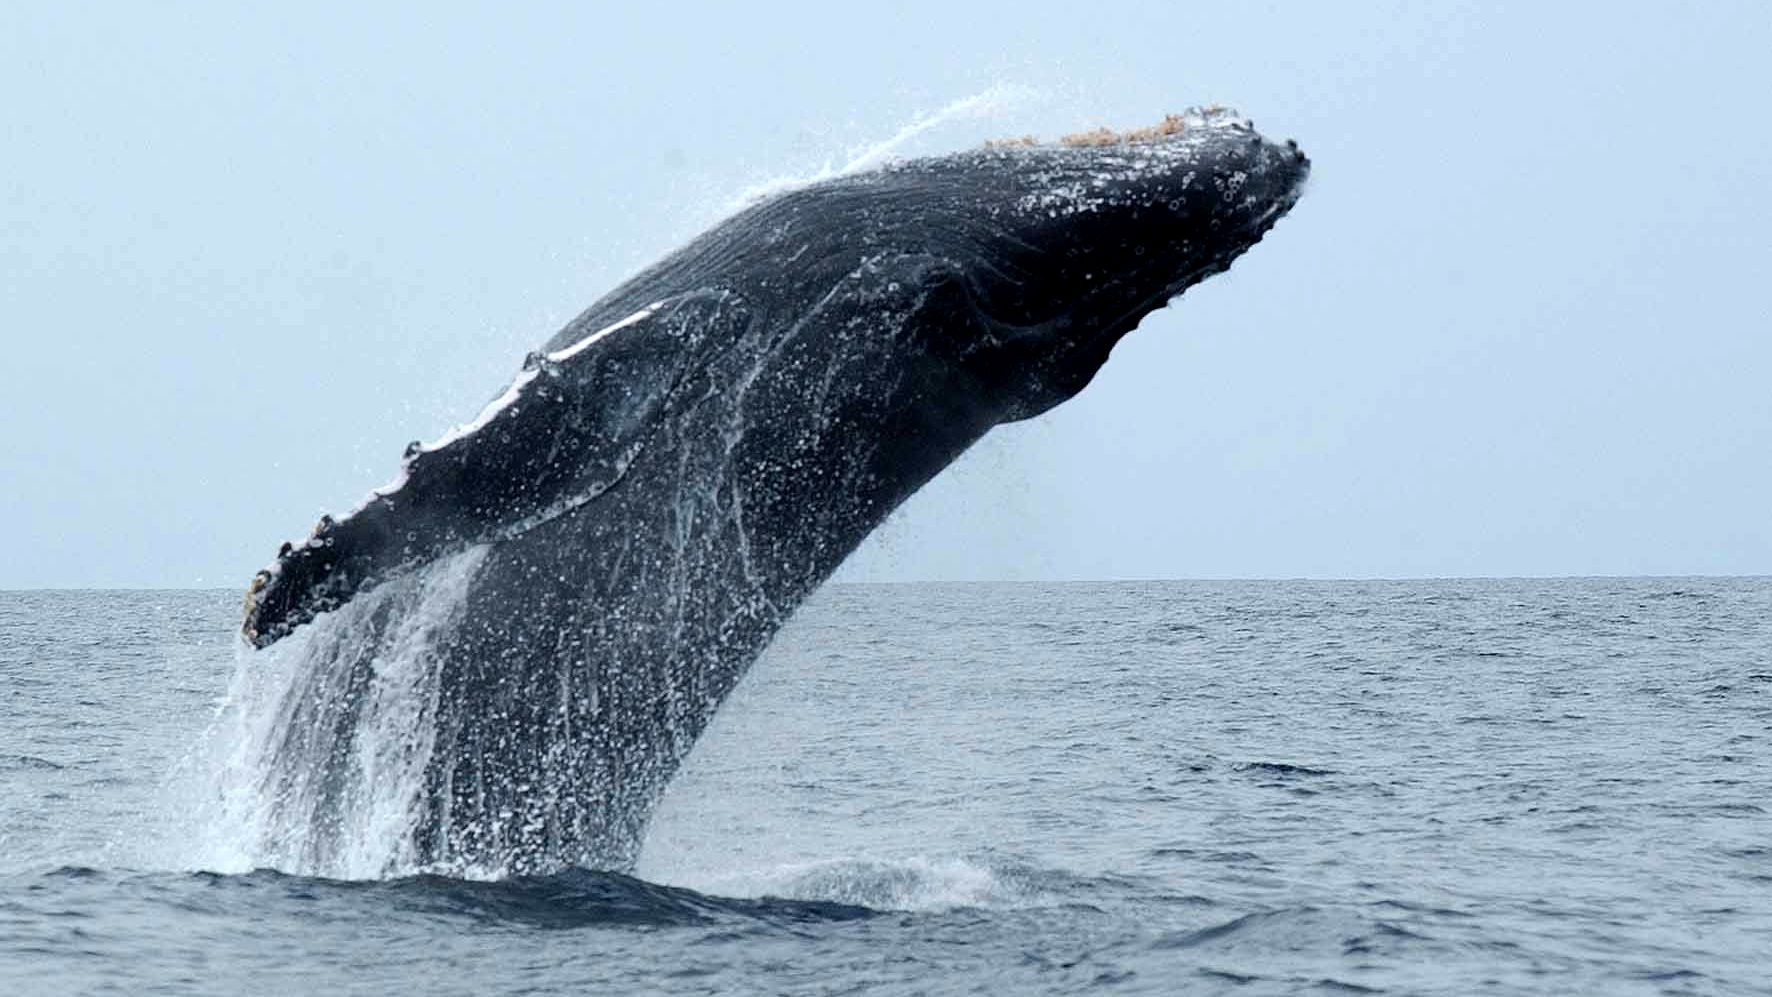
[(915, 882), (256, 793)]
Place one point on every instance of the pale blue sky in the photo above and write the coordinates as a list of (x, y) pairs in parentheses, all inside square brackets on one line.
[(1519, 325)]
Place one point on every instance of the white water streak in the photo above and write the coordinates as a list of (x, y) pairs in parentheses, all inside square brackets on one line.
[(259, 785), (989, 103), (980, 105)]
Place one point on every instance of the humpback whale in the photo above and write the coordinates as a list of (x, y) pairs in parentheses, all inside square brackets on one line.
[(670, 475)]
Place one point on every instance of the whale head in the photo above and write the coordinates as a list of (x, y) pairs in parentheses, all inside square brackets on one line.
[(1039, 256), (1069, 245)]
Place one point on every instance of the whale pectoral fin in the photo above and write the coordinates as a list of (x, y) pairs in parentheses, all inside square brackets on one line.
[(563, 432)]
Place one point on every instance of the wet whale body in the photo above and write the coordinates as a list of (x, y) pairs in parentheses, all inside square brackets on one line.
[(678, 468)]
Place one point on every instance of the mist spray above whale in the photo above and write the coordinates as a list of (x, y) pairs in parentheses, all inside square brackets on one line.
[(625, 527)]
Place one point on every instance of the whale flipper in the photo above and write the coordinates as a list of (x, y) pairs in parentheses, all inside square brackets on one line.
[(562, 433)]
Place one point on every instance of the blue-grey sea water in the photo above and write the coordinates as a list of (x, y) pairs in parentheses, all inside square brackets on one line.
[(1420, 787)]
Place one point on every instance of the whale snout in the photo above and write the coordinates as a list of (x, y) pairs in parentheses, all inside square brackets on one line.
[(1221, 181), (1288, 172), (1297, 167), (1270, 185), (1225, 186), (1246, 178)]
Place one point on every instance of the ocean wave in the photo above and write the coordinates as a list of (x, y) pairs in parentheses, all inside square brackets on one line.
[(13, 762), (574, 898)]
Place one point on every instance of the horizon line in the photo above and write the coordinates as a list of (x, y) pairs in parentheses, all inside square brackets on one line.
[(1123, 579)]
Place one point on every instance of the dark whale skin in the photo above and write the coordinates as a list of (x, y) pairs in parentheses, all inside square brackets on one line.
[(687, 460)]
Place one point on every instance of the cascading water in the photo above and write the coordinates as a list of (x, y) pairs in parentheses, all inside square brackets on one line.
[(316, 762)]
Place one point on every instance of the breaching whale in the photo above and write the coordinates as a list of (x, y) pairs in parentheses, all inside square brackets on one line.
[(680, 466)]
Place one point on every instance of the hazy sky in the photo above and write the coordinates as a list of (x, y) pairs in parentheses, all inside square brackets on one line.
[(1518, 325)]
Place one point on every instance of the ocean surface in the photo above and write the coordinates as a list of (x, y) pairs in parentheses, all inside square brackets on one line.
[(1421, 787)]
